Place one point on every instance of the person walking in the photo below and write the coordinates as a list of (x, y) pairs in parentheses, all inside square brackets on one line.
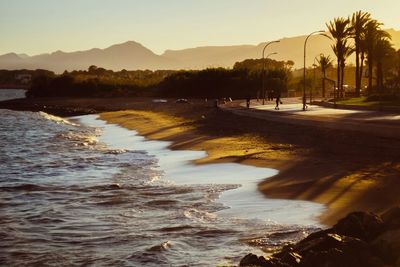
[(278, 100)]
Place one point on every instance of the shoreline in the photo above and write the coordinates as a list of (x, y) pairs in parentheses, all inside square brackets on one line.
[(343, 170), (179, 166)]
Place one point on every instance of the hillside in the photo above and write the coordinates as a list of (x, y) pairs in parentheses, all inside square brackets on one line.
[(132, 55), (129, 55)]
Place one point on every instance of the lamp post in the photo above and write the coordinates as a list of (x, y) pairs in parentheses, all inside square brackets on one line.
[(313, 87), (263, 70), (304, 70)]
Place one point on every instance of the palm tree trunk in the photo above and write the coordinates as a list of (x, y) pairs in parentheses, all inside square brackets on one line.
[(342, 80), (370, 73), (379, 75), (358, 78), (361, 68), (323, 83), (338, 80)]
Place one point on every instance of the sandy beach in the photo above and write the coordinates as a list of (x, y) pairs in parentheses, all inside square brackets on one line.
[(344, 170)]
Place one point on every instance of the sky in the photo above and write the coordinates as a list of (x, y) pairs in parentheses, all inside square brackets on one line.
[(42, 26)]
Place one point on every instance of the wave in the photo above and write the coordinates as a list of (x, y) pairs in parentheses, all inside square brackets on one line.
[(199, 215), (83, 138), (55, 119), (24, 187), (163, 202), (161, 247), (177, 228)]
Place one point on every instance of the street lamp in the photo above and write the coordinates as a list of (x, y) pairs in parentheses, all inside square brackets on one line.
[(304, 70), (314, 68), (263, 70)]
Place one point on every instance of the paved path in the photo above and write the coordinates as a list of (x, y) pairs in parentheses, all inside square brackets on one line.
[(378, 123)]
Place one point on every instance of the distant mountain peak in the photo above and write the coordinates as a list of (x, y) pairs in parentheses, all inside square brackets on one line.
[(127, 44), (58, 52), (132, 55), (10, 56)]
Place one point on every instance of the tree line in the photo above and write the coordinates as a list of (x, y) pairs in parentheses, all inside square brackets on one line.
[(97, 82), (243, 80), (19, 78)]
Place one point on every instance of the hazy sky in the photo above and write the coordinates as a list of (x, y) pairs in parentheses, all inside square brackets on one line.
[(39, 26)]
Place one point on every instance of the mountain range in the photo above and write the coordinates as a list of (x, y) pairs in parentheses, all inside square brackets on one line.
[(132, 56)]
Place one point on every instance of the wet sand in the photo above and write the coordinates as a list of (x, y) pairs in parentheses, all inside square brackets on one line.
[(344, 170)]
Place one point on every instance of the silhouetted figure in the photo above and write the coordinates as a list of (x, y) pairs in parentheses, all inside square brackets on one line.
[(278, 100), (304, 103), (248, 102)]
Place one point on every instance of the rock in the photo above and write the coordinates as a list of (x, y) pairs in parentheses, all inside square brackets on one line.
[(321, 243), (292, 259), (363, 225), (250, 260), (333, 250), (391, 218), (316, 235), (322, 249), (359, 239)]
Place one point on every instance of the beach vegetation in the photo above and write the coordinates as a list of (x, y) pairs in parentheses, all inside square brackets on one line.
[(241, 81)]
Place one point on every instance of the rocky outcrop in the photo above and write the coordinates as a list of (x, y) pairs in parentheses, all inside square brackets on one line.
[(360, 239)]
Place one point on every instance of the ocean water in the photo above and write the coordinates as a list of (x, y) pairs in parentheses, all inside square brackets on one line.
[(81, 192)]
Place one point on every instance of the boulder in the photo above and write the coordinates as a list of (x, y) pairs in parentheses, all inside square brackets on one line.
[(359, 239), (363, 225), (250, 260)]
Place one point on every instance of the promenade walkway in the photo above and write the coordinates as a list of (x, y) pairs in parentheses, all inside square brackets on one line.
[(383, 124)]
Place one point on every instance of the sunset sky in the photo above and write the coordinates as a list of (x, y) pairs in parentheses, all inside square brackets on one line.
[(42, 26)]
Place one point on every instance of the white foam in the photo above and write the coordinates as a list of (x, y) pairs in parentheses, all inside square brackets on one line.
[(244, 202), (55, 119)]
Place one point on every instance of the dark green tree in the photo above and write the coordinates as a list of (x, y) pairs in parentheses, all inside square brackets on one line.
[(358, 21), (383, 48), (373, 35), (324, 62), (340, 30)]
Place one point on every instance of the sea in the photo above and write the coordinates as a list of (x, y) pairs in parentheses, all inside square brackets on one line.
[(79, 191)]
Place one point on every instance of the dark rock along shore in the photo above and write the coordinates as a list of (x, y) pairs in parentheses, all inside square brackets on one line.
[(359, 239)]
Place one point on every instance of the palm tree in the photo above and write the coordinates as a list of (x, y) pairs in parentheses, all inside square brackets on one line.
[(363, 52), (340, 30), (347, 51), (358, 21), (383, 48), (324, 62), (373, 34), (396, 72)]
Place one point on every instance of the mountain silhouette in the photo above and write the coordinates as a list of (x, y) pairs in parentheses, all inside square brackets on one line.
[(132, 56)]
